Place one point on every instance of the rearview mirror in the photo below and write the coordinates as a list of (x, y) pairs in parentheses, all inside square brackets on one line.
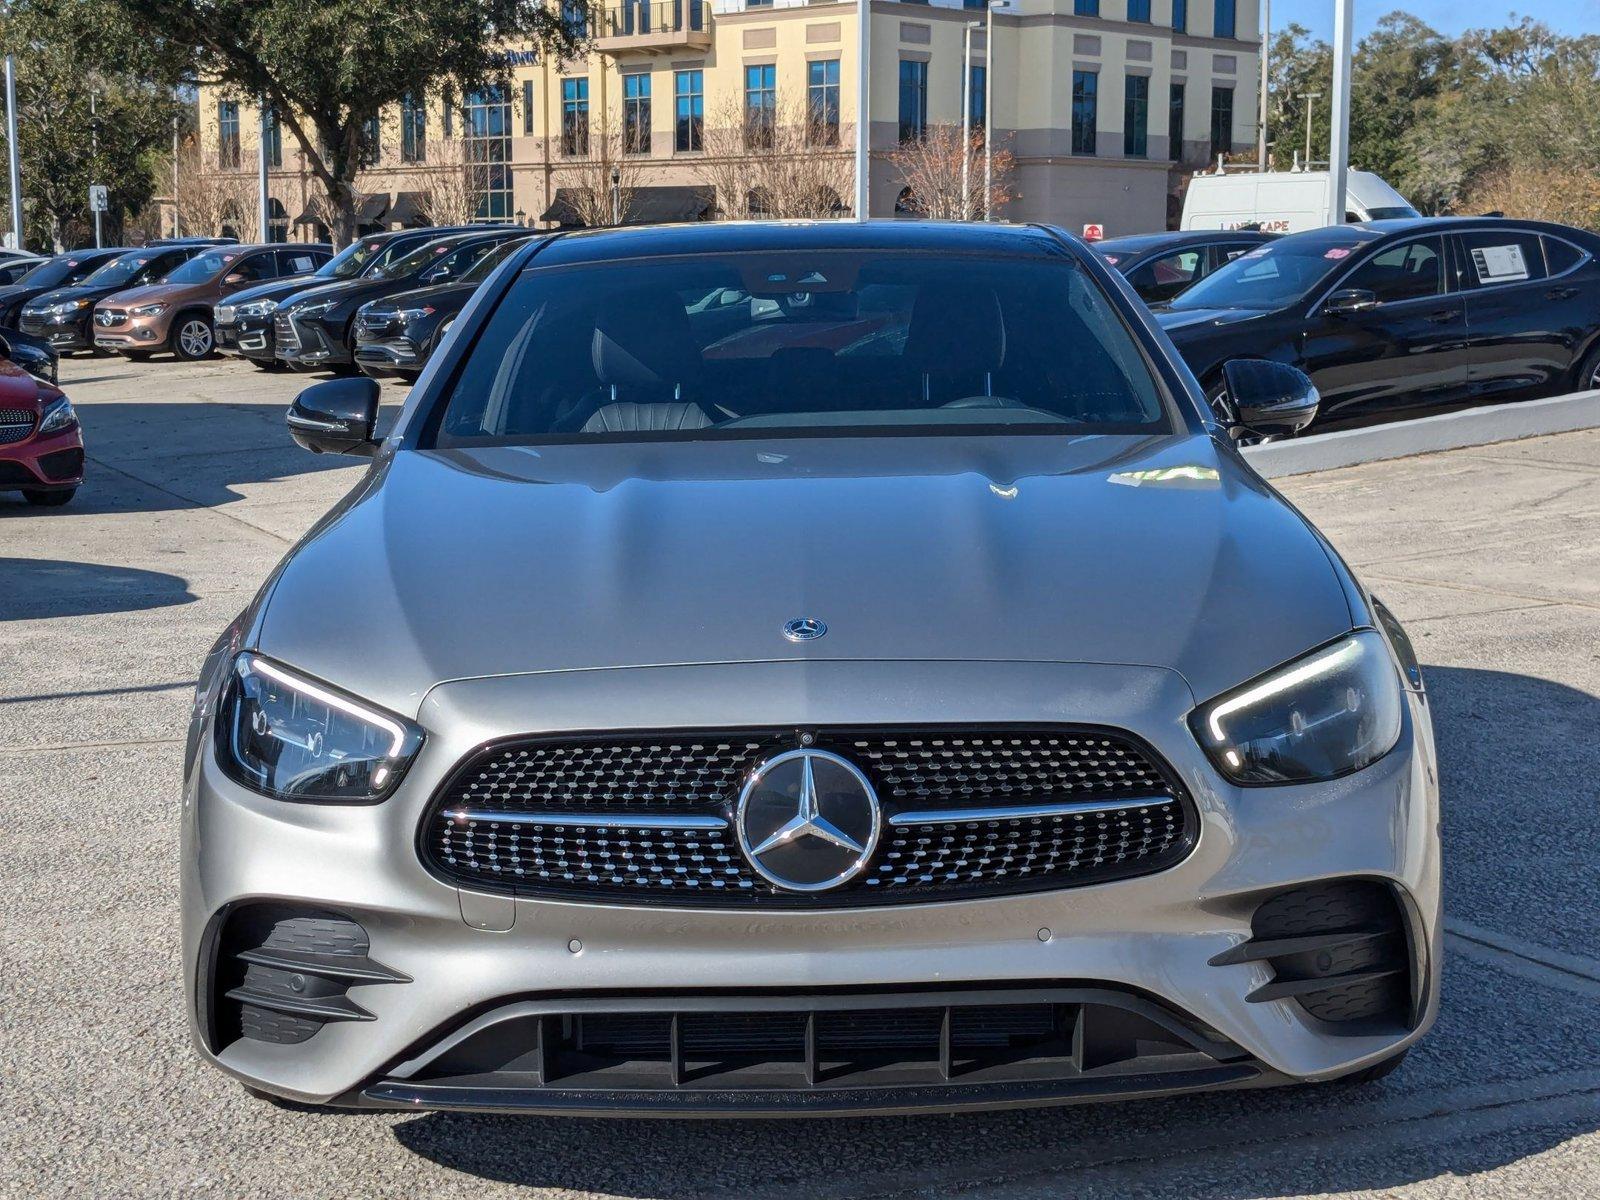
[(1268, 399), (336, 417), (434, 274), (1349, 300)]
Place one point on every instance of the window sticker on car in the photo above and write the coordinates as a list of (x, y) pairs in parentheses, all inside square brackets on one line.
[(1112, 259), (1338, 252), (1258, 252), (1233, 254), (1499, 264)]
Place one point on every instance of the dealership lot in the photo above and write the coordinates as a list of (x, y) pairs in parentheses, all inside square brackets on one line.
[(194, 491)]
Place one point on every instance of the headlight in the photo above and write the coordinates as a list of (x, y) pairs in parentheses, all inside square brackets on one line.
[(256, 308), (295, 739), (409, 315), (65, 309), (58, 415), (148, 310), (312, 310), (1325, 715)]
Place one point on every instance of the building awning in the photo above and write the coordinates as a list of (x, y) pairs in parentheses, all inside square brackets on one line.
[(407, 209), (646, 206), (307, 218), (372, 208)]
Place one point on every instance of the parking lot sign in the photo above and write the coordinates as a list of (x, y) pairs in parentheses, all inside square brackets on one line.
[(98, 199)]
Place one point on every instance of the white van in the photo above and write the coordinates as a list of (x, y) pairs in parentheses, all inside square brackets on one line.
[(1285, 201)]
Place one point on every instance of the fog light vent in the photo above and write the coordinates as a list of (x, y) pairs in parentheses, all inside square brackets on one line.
[(283, 973), (1337, 949)]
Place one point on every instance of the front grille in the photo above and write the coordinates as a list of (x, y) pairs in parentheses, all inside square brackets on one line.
[(1337, 949), (754, 1050), (283, 332), (281, 974), (110, 318), (965, 813), (15, 424), (35, 324)]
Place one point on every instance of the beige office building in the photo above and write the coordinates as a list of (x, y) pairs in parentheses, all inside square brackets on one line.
[(1104, 106)]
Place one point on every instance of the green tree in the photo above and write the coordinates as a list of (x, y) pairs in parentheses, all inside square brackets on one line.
[(61, 153), (331, 66)]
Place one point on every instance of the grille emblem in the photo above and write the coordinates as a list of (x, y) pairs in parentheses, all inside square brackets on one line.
[(103, 318), (808, 820), (804, 629)]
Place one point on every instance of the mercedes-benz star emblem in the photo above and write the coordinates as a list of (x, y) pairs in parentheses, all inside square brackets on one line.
[(804, 629), (808, 820)]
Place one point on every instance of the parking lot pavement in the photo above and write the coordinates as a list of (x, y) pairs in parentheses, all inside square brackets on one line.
[(1491, 557)]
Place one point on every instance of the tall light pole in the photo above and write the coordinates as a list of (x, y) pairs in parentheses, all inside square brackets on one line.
[(175, 176), (966, 121), (988, 103), (1339, 142), (863, 104), (94, 158), (15, 152), (261, 167), (1310, 99), (1261, 127)]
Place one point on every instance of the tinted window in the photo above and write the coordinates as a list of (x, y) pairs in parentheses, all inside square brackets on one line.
[(1495, 256), (125, 269), (62, 269), (1165, 277), (1559, 256), (295, 262), (203, 267), (352, 260), (803, 343), (255, 268), (1408, 271), (498, 253), (419, 259), (1276, 274)]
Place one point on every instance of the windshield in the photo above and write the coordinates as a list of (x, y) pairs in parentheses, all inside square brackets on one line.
[(202, 267), (351, 261), (119, 270), (1399, 211), (813, 343), (1274, 275), (62, 269), (479, 271), (410, 264)]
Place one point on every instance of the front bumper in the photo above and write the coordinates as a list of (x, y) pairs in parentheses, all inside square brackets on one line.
[(63, 333), (307, 344), (249, 337), (465, 954), (137, 334), (388, 358), (51, 462)]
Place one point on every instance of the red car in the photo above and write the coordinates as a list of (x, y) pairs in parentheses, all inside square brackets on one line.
[(41, 445)]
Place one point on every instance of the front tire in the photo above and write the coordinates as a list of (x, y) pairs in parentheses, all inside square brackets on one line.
[(1589, 373), (54, 498), (193, 338)]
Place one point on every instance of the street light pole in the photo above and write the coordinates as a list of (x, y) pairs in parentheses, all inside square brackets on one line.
[(966, 122), (863, 104), (616, 196), (1339, 142), (1310, 99), (988, 103), (266, 214), (94, 158), (15, 152), (175, 232), (1261, 130)]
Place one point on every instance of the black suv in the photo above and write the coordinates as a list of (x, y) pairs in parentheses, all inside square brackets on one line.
[(315, 330), (63, 270), (396, 335), (1162, 266), (64, 316)]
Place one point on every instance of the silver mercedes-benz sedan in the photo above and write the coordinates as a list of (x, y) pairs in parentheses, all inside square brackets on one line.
[(807, 669)]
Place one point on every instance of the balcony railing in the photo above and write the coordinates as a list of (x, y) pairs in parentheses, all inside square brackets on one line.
[(654, 24)]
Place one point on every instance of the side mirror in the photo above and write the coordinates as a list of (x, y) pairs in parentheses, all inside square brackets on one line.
[(336, 417), (233, 279), (1349, 300), (1268, 399)]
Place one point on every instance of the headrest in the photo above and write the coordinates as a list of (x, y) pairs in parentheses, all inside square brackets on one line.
[(642, 340), (956, 328)]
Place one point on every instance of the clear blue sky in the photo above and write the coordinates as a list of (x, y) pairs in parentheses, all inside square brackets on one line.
[(1448, 16)]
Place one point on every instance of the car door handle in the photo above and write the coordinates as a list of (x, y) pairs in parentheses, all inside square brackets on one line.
[(1561, 293), (1444, 315)]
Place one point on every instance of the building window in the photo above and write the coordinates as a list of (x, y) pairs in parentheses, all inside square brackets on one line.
[(575, 117), (1136, 116), (636, 114), (1221, 121), (486, 123), (227, 134), (822, 102), (1227, 15), (1175, 99), (274, 135), (758, 3), (447, 118), (976, 98), (576, 19), (1086, 8), (913, 99), (689, 111), (760, 105), (370, 149), (277, 220), (1180, 16), (1085, 110), (527, 108), (1138, 10), (413, 130)]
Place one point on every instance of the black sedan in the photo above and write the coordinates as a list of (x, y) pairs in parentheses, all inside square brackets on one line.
[(63, 270), (34, 355), (395, 336), (62, 315), (315, 329), (1395, 319), (1162, 266), (243, 322)]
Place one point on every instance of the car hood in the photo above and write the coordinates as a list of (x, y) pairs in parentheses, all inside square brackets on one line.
[(62, 295), (1175, 319), (1161, 551), (278, 289), (152, 292), (439, 293), (343, 289)]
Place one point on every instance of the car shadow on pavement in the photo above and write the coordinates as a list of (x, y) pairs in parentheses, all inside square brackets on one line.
[(31, 588)]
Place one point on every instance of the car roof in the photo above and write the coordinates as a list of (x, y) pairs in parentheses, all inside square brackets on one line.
[(726, 237), (1134, 243)]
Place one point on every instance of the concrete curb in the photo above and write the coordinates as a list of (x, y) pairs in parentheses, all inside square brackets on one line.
[(1448, 431)]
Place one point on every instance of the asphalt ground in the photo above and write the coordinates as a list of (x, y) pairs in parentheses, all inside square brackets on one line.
[(1491, 556)]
